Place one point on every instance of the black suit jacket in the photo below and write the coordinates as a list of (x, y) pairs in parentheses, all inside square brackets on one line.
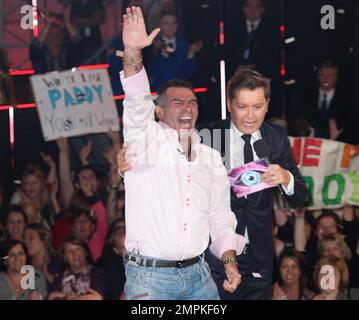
[(264, 49), (255, 213), (338, 109)]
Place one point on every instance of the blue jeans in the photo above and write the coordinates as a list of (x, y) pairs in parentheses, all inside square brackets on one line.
[(154, 283)]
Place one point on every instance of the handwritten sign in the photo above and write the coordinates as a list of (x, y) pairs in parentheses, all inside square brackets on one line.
[(73, 103)]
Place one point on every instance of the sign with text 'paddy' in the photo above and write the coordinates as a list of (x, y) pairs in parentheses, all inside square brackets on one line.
[(73, 103)]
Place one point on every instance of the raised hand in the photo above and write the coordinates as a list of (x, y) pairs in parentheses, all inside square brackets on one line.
[(134, 33), (48, 160), (110, 154), (195, 47), (62, 143), (85, 152)]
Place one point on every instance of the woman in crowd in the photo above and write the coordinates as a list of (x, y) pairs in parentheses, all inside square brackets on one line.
[(334, 245), (13, 257), (38, 241), (35, 198), (87, 227), (81, 280), (292, 284), (15, 223), (112, 260), (331, 279)]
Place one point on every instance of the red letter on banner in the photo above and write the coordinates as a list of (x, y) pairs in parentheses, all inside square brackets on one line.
[(311, 148), (296, 149)]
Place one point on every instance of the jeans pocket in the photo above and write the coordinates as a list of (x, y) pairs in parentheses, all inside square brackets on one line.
[(205, 271), (138, 283)]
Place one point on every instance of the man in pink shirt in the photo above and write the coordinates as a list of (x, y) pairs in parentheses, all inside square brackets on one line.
[(177, 193)]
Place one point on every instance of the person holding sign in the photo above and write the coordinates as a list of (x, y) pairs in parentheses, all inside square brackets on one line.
[(184, 190)]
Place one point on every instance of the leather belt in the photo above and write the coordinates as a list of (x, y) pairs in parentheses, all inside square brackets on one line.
[(144, 262)]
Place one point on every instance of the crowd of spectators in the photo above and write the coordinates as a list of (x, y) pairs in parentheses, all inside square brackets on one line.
[(70, 226)]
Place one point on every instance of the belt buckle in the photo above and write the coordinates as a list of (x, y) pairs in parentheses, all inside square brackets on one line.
[(136, 262), (182, 264)]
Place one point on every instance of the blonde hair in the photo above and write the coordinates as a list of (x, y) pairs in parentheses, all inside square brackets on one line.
[(338, 239)]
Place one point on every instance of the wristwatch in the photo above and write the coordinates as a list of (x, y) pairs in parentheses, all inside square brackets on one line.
[(229, 260)]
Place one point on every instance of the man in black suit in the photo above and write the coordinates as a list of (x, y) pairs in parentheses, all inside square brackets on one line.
[(327, 107), (248, 95), (248, 98), (252, 42)]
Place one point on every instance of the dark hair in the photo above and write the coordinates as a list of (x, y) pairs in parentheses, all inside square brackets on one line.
[(174, 83), (112, 229), (329, 214), (300, 259), (15, 208), (327, 64), (77, 242), (299, 127), (9, 210), (261, 1), (5, 247), (74, 215), (248, 79), (86, 167)]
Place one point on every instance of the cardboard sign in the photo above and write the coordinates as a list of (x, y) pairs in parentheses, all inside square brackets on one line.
[(73, 103)]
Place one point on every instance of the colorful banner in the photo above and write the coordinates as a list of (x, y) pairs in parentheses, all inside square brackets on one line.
[(330, 169), (73, 103)]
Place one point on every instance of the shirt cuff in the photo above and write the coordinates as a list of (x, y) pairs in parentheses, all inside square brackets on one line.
[(136, 84), (228, 242), (289, 191), (190, 56)]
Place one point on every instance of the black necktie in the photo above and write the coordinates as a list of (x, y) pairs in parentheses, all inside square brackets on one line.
[(248, 151), (323, 107)]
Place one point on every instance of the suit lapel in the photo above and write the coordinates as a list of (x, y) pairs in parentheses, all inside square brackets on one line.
[(225, 143)]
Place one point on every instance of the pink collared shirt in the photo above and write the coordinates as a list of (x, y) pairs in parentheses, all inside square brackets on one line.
[(173, 206)]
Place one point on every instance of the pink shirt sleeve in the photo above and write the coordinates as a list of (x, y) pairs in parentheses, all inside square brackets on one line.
[(98, 239), (222, 244)]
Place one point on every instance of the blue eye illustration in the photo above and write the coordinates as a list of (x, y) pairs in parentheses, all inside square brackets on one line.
[(250, 178)]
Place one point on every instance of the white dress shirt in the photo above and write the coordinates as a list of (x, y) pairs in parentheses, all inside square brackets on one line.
[(329, 97), (169, 41), (173, 206), (255, 24), (237, 157)]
